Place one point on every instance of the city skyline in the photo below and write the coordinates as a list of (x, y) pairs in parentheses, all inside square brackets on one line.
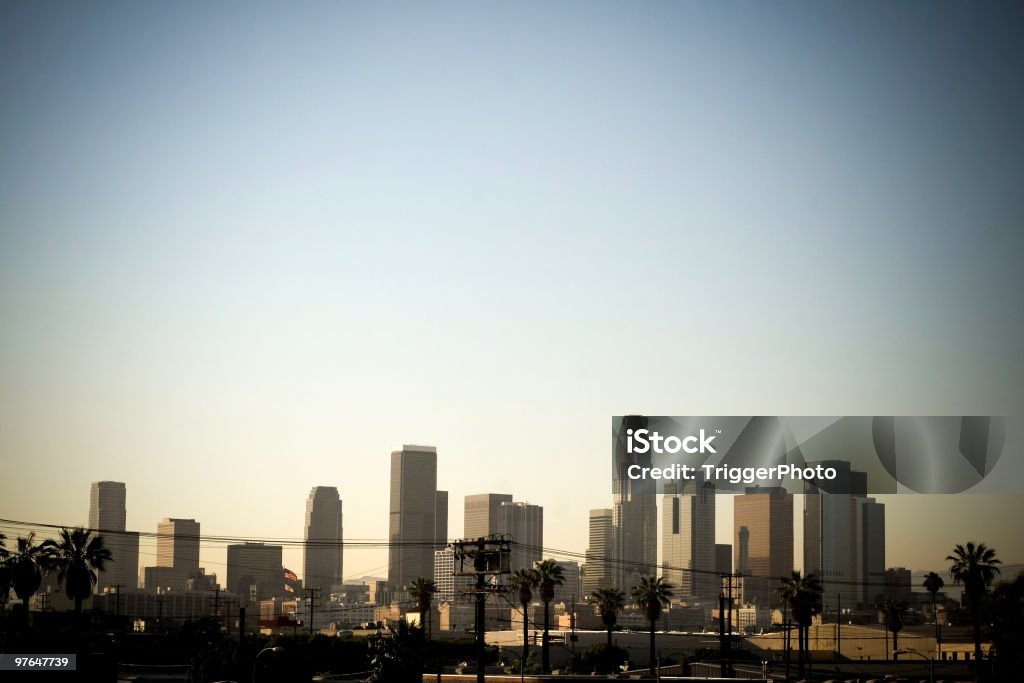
[(236, 265)]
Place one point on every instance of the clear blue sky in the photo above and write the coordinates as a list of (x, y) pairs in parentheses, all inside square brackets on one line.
[(249, 248)]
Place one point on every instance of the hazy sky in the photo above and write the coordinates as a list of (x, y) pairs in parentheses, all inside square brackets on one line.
[(247, 248)]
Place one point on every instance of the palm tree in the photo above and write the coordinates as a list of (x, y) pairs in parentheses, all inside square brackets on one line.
[(651, 596), (933, 583), (524, 581), (803, 595), (422, 591), (975, 567), (78, 555), (26, 566), (609, 601), (549, 575), (893, 612)]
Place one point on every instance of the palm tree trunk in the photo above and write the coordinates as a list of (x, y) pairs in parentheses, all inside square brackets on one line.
[(544, 652), (895, 645), (976, 609), (651, 654), (609, 636), (526, 638)]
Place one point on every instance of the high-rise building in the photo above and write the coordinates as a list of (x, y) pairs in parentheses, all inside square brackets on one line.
[(525, 524), (871, 544), (449, 586), (322, 552), (635, 512), (107, 518), (418, 515), (177, 555), (177, 545), (482, 512), (723, 558), (688, 539), (844, 533), (763, 542), (441, 519), (255, 571), (569, 590), (488, 514), (598, 571)]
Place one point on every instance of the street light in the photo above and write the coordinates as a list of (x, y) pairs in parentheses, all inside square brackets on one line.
[(275, 650), (931, 662)]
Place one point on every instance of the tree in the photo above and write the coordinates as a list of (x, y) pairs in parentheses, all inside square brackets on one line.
[(549, 575), (397, 656), (974, 567), (26, 565), (893, 612), (524, 581), (803, 595), (653, 594), (1008, 626), (77, 556), (609, 601), (933, 583), (5, 574), (422, 591)]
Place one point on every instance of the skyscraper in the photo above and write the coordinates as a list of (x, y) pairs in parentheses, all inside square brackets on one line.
[(844, 533), (481, 513), (598, 568), (255, 571), (177, 555), (525, 524), (688, 538), (418, 515), (177, 545), (322, 552), (763, 542), (107, 517), (635, 511), (496, 513)]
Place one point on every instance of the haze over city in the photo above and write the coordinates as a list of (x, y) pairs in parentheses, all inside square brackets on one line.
[(242, 255)]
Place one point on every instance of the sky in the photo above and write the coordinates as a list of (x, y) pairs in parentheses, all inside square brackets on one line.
[(250, 248)]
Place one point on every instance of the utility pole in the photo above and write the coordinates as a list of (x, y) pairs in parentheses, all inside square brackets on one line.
[(160, 612), (723, 669), (311, 595), (216, 605), (117, 599), (485, 556), (839, 625), (786, 639)]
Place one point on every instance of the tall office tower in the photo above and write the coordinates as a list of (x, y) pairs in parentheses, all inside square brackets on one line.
[(723, 558), (569, 590), (441, 519), (764, 552), (635, 511), (177, 545), (871, 544), (599, 572), (834, 534), (482, 513), (688, 539), (255, 571), (322, 553), (496, 513), (449, 586), (415, 530), (107, 516), (525, 524)]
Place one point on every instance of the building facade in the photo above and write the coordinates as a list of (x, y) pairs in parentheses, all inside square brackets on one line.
[(323, 554), (418, 515)]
